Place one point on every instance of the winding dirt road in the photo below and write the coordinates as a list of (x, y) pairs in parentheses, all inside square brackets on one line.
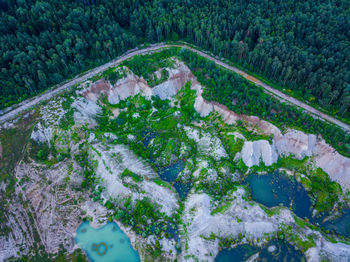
[(10, 114)]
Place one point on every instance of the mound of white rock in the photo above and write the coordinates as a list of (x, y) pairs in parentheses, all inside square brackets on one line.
[(255, 151)]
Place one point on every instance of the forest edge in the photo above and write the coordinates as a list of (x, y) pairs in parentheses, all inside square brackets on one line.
[(9, 113)]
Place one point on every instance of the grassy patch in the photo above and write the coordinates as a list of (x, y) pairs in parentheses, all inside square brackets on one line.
[(67, 121), (135, 177), (291, 163), (111, 74), (325, 191), (162, 183), (231, 144), (146, 65), (13, 141), (221, 208)]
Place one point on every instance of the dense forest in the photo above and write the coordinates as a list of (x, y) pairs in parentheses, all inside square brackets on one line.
[(303, 46)]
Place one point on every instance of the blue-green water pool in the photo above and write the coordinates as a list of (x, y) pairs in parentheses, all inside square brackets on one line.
[(275, 250), (277, 189), (105, 244), (170, 172), (341, 225)]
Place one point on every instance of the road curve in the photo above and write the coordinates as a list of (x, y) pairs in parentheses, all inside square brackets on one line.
[(156, 47)]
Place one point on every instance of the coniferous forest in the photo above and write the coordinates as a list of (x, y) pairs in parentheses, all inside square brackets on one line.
[(301, 45)]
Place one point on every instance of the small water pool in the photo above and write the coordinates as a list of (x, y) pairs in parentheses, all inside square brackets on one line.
[(275, 250), (170, 172), (277, 189), (148, 136), (182, 189), (105, 244), (238, 254), (341, 224)]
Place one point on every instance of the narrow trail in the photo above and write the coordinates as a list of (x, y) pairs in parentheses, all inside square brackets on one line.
[(157, 47)]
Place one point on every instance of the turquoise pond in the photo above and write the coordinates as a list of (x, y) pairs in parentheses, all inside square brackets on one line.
[(105, 244), (282, 251), (276, 189)]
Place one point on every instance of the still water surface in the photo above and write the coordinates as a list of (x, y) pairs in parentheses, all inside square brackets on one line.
[(105, 244)]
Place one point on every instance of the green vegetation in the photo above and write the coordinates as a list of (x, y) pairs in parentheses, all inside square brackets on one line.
[(12, 148), (112, 74), (222, 208), (287, 232), (88, 169), (135, 177), (147, 65), (241, 96), (291, 163), (162, 183), (67, 120), (144, 217), (325, 191), (286, 43)]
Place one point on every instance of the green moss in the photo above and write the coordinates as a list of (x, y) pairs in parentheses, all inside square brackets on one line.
[(146, 65), (291, 163), (67, 121), (111, 74), (231, 144), (210, 237), (221, 208), (162, 183), (270, 211), (325, 191), (135, 177)]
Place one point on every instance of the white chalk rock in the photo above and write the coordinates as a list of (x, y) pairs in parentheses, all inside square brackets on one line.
[(296, 143), (178, 76), (41, 134), (202, 107), (253, 152), (131, 85)]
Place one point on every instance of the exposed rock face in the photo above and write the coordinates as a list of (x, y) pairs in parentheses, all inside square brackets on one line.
[(334, 164), (131, 85), (55, 205), (86, 111), (338, 252), (100, 87), (118, 158), (256, 151), (41, 134), (178, 76), (253, 222), (296, 143), (293, 142), (202, 107), (21, 237)]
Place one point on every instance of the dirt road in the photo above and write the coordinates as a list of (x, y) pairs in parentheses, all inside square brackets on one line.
[(280, 95)]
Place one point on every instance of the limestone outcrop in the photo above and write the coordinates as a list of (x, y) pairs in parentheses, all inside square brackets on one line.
[(293, 142), (255, 151), (296, 143)]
